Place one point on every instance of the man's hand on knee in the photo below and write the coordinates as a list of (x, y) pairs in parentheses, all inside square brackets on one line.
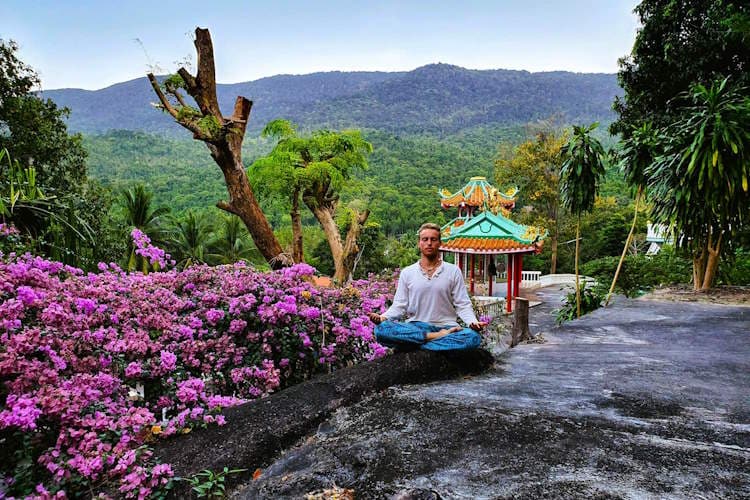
[(376, 318), (478, 326)]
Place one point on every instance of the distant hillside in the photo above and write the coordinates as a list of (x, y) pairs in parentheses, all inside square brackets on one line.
[(128, 105), (435, 99)]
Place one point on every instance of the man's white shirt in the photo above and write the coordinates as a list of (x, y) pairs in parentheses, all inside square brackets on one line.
[(437, 300)]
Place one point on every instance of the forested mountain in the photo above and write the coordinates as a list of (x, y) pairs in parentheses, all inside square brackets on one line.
[(128, 106), (437, 99), (400, 186)]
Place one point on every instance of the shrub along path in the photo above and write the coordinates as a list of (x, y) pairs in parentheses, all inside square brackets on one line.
[(642, 399)]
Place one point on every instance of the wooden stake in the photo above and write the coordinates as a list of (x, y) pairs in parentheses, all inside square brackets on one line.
[(520, 329)]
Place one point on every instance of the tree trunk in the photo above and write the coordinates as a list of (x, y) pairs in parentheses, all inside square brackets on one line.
[(553, 248), (351, 248), (343, 253), (297, 250), (712, 263), (223, 137), (243, 204), (699, 269), (552, 212), (578, 287), (331, 230), (627, 244)]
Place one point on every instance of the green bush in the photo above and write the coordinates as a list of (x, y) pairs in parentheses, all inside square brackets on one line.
[(591, 300), (735, 271), (640, 273)]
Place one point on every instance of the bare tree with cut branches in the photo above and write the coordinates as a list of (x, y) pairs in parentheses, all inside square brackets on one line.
[(223, 136)]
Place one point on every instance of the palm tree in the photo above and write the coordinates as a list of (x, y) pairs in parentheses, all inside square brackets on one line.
[(580, 175), (699, 186), (189, 243), (139, 213), (231, 244), (137, 202)]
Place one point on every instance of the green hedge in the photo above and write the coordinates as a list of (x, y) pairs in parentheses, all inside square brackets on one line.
[(641, 273)]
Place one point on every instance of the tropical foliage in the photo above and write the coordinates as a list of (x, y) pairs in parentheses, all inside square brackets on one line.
[(686, 85), (700, 184), (580, 177), (534, 167), (314, 170)]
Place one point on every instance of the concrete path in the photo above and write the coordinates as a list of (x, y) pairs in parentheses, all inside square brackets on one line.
[(643, 399)]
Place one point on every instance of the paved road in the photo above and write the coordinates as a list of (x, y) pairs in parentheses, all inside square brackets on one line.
[(642, 400)]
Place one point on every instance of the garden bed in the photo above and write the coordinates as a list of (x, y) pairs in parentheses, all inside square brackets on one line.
[(95, 368)]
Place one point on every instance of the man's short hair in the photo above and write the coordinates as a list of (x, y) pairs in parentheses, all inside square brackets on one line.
[(428, 225)]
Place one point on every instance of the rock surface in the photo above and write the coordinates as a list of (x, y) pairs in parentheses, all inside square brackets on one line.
[(257, 431), (644, 399)]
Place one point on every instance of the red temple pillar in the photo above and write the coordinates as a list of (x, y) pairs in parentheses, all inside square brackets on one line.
[(471, 280), (492, 279), (509, 295), (517, 270)]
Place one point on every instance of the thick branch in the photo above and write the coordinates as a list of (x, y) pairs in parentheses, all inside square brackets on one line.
[(223, 205), (179, 98), (191, 85), (162, 98), (197, 132)]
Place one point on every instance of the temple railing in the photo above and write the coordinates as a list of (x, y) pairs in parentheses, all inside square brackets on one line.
[(489, 306), (529, 279)]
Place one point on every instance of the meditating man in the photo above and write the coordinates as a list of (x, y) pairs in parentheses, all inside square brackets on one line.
[(432, 294)]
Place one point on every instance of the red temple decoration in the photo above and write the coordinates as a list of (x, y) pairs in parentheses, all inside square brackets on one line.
[(482, 237)]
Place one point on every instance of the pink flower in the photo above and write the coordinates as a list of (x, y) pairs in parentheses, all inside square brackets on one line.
[(213, 316), (168, 361), (133, 370), (189, 390), (21, 411)]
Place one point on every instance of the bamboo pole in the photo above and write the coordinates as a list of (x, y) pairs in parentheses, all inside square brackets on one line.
[(578, 288), (627, 244)]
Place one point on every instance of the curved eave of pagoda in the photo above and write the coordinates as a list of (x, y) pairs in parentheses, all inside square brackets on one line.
[(480, 249), (489, 234)]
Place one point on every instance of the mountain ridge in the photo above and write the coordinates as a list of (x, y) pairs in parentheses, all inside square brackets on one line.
[(434, 99)]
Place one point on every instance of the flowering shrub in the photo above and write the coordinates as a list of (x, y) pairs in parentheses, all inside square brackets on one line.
[(153, 257), (94, 367)]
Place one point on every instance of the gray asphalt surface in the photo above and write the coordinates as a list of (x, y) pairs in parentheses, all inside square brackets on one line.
[(643, 399)]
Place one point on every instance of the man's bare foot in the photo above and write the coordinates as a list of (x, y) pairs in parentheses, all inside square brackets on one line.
[(442, 333)]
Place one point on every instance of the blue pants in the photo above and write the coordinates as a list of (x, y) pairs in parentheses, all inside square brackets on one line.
[(412, 334)]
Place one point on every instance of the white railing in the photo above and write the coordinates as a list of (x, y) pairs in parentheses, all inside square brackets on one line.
[(656, 233), (490, 306), (564, 279), (529, 279)]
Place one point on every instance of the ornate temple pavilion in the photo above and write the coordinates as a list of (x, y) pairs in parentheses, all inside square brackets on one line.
[(482, 238)]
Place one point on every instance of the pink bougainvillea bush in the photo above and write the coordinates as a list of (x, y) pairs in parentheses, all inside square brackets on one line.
[(94, 367)]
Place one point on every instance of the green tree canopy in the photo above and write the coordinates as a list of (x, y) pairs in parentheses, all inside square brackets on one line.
[(314, 169), (534, 167), (33, 130), (699, 186), (34, 133), (680, 43)]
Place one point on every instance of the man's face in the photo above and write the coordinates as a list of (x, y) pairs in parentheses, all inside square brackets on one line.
[(429, 242)]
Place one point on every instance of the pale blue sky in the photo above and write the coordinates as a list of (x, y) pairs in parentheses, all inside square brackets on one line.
[(91, 43)]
